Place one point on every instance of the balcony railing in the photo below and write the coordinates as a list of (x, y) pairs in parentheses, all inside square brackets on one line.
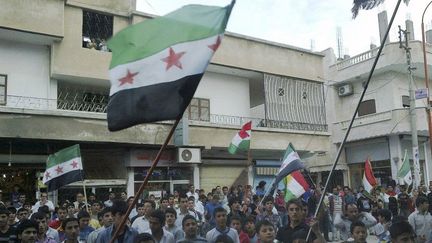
[(24, 102), (261, 122), (357, 59), (65, 102), (368, 119)]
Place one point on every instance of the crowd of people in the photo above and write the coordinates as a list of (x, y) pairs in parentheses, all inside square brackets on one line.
[(236, 214)]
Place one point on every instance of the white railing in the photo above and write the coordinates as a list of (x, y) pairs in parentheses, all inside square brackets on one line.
[(357, 59), (99, 106), (368, 119), (24, 102)]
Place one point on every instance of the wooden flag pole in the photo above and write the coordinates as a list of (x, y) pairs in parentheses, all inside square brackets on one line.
[(341, 146), (84, 188), (85, 193), (146, 179), (249, 158)]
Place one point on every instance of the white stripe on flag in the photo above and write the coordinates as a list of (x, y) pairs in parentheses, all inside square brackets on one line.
[(291, 157), (237, 139), (294, 187), (367, 186), (155, 68)]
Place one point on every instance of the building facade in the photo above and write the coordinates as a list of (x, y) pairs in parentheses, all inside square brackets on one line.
[(381, 130), (54, 91)]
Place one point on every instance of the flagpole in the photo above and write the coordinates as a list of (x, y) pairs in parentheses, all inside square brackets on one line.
[(267, 191), (146, 179), (310, 178), (355, 114), (249, 158), (85, 194), (84, 189)]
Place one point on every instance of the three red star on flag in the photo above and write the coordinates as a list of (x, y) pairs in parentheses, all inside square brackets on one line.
[(216, 45), (59, 170), (74, 164), (173, 59), (128, 79)]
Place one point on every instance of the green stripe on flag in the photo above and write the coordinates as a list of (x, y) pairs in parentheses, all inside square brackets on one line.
[(405, 168), (289, 151), (63, 155), (135, 43)]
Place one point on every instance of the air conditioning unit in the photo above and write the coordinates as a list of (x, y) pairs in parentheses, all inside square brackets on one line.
[(345, 90), (189, 155)]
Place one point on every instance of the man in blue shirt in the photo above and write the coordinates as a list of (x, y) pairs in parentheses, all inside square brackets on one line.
[(85, 229), (127, 234)]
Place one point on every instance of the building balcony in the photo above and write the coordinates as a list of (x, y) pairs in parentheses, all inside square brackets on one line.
[(36, 118), (36, 22), (97, 104), (392, 58), (381, 124)]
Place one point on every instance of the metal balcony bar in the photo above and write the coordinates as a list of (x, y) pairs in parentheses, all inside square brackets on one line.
[(71, 102), (357, 59)]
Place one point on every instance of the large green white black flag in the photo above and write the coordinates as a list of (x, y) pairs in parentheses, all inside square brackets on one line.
[(157, 64)]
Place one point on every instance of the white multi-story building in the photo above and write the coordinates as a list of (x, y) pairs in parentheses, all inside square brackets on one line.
[(381, 130), (54, 91)]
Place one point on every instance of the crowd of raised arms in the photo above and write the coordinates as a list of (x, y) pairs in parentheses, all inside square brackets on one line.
[(237, 214)]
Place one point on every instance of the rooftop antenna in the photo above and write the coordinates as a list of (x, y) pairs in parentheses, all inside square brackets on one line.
[(339, 42), (312, 45)]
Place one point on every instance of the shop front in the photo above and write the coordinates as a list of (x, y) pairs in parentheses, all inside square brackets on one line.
[(169, 175), (378, 153), (265, 170)]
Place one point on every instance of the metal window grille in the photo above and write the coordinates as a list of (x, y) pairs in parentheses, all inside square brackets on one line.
[(295, 103), (96, 30), (74, 98)]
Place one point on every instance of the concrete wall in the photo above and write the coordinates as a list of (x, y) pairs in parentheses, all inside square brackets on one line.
[(211, 176), (92, 127), (73, 62), (27, 67), (109, 6), (38, 16), (229, 95), (249, 53), (392, 58)]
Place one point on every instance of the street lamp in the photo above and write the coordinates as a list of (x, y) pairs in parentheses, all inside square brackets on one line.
[(426, 76)]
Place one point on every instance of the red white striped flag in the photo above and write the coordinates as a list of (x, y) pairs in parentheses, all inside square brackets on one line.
[(369, 180)]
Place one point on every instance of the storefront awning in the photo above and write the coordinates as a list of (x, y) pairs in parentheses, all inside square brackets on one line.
[(328, 168), (267, 170), (268, 163)]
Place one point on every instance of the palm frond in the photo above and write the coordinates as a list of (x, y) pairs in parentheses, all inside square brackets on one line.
[(366, 5)]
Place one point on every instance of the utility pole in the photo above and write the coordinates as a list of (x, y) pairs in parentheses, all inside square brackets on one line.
[(404, 43)]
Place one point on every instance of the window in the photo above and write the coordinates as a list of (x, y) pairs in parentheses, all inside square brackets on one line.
[(405, 101), (367, 107), (96, 30), (3, 85), (199, 109)]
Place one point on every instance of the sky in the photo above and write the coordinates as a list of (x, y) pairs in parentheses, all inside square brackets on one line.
[(308, 24)]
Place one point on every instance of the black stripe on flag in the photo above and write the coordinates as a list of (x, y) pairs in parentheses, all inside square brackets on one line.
[(65, 179), (157, 102)]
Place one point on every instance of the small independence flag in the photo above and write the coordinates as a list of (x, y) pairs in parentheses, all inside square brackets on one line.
[(241, 141), (63, 168)]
